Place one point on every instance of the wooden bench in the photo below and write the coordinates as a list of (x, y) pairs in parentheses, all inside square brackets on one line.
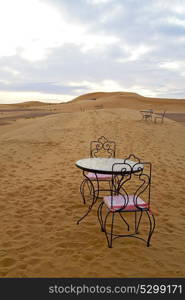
[(99, 106)]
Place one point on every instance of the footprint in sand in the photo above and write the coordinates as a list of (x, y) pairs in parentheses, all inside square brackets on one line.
[(7, 262)]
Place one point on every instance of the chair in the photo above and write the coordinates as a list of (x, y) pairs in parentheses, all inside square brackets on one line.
[(159, 116), (130, 194), (146, 114), (100, 148)]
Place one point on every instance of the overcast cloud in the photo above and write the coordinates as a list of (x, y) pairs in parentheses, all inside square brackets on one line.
[(55, 50)]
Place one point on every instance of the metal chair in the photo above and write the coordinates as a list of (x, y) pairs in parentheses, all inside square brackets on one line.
[(159, 116), (130, 194), (100, 148), (146, 114)]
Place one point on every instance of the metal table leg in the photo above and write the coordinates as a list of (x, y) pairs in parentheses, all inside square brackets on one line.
[(94, 194)]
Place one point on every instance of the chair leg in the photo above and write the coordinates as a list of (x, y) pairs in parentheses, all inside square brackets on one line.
[(110, 184), (100, 218), (137, 223), (152, 227), (90, 184), (128, 226), (111, 233), (82, 190), (109, 240)]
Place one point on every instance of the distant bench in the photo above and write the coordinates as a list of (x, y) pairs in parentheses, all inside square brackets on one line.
[(99, 106), (150, 115), (96, 107)]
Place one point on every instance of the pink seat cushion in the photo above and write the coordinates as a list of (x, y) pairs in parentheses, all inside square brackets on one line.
[(92, 176), (118, 202)]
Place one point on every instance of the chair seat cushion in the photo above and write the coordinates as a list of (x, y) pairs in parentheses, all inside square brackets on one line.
[(118, 202), (92, 176)]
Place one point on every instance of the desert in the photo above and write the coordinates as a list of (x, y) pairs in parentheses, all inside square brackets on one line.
[(40, 201)]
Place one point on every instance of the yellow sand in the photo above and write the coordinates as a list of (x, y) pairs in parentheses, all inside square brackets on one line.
[(40, 200)]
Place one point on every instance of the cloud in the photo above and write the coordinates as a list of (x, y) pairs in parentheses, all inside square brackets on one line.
[(18, 97), (105, 85), (39, 27), (97, 2), (10, 70), (58, 47), (174, 66), (134, 53), (109, 85), (25, 30)]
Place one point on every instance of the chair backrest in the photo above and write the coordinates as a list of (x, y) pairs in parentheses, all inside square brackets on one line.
[(150, 111), (102, 148), (159, 116), (163, 114), (132, 181), (147, 113)]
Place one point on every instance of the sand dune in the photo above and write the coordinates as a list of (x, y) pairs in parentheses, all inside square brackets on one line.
[(121, 100), (40, 200)]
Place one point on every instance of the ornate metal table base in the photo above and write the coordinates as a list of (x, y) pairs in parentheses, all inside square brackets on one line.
[(93, 193)]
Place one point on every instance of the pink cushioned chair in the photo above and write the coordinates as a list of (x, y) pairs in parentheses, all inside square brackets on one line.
[(130, 195), (100, 148)]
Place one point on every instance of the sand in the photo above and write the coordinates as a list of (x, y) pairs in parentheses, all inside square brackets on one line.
[(40, 200)]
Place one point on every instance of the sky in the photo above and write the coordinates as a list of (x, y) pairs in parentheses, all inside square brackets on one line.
[(56, 50)]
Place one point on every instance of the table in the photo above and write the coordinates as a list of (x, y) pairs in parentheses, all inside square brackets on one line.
[(103, 166)]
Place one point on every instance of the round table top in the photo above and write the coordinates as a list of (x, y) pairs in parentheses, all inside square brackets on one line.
[(106, 165)]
